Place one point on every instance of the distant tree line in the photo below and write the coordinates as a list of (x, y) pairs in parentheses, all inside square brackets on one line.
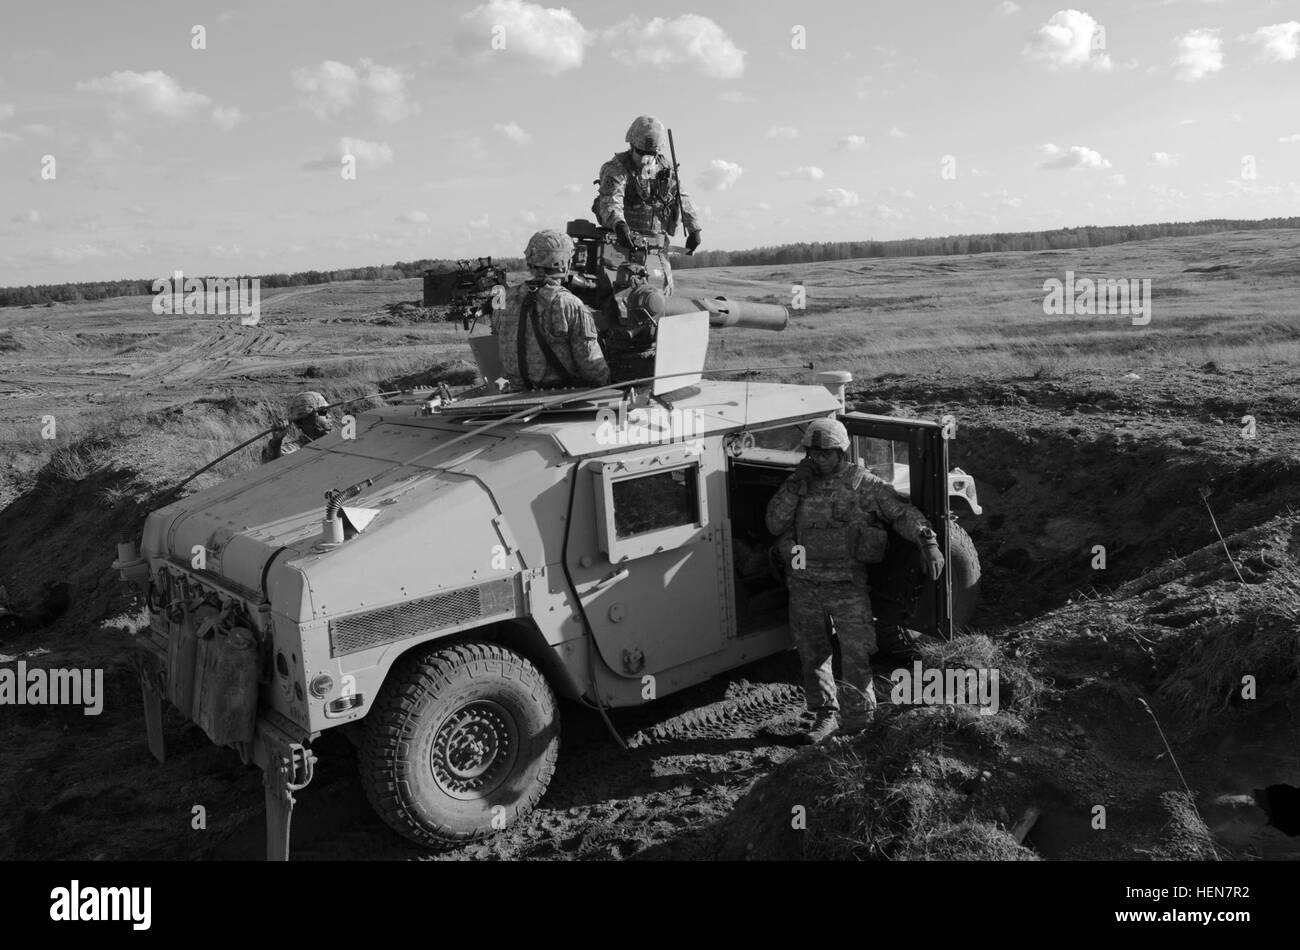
[(1060, 239), (100, 290), (802, 253)]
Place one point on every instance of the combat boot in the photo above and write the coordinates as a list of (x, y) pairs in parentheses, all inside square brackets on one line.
[(825, 726), (896, 646)]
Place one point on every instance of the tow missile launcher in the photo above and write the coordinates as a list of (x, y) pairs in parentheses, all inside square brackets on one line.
[(466, 292), (433, 583)]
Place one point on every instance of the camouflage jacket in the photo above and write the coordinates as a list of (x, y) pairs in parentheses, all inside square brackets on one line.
[(840, 521), (284, 443), (569, 327), (648, 204)]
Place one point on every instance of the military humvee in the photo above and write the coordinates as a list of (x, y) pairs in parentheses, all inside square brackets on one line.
[(437, 578)]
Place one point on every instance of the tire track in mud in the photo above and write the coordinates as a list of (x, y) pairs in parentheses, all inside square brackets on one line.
[(217, 352), (687, 760)]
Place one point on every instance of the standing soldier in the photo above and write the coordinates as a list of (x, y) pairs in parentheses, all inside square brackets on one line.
[(546, 337), (638, 198), (830, 517), (311, 419)]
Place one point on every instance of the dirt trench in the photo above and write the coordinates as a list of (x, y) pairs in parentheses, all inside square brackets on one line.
[(699, 762)]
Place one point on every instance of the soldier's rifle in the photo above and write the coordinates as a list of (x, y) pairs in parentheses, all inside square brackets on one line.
[(677, 186)]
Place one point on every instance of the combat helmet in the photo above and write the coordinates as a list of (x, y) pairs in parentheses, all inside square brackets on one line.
[(826, 434), (646, 133), (549, 251), (306, 404)]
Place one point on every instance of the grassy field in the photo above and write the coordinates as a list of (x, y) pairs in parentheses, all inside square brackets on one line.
[(1079, 431), (1226, 299)]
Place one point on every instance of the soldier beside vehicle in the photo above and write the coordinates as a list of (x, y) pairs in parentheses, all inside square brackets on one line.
[(830, 519)]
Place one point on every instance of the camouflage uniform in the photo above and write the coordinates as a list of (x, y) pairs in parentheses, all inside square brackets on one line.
[(569, 328), (647, 202), (307, 426), (284, 443), (840, 521)]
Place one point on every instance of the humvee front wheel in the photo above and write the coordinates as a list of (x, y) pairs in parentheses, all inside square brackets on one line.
[(462, 741)]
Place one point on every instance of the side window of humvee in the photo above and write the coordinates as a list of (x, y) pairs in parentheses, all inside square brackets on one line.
[(655, 501)]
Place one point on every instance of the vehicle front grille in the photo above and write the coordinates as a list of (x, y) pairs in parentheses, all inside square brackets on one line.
[(455, 608)]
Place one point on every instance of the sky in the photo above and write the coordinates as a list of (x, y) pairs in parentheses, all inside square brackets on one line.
[(141, 138)]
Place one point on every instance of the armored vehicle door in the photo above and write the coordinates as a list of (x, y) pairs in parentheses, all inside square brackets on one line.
[(650, 575), (912, 454)]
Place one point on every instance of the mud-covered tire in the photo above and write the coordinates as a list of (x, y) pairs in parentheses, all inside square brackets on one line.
[(964, 562), (462, 741)]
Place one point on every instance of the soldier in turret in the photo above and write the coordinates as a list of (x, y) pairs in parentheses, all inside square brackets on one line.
[(638, 199), (546, 337), (830, 520), (310, 419)]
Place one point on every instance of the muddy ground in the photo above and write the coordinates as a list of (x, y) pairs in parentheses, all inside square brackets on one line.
[(1131, 463), (1127, 680)]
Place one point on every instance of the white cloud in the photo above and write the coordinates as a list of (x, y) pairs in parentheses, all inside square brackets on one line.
[(153, 94), (832, 198), (1279, 43), (331, 88), (1116, 179), (896, 133), (1290, 138), (1065, 41), (385, 87), (1186, 121), (374, 154), (886, 213), (31, 216), (367, 155), (413, 217), (6, 110), (687, 40), (513, 132), (1076, 156), (1166, 159), (1200, 52), (804, 173), (1167, 193), (478, 224), (549, 38), (1003, 197), (782, 132), (720, 175), (852, 143), (226, 117), (1006, 8), (569, 189)]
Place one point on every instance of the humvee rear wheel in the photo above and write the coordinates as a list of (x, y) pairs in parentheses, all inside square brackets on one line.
[(462, 741)]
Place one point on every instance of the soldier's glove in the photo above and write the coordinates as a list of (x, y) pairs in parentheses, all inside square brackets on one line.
[(623, 233), (692, 241), (933, 559), (802, 475)]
